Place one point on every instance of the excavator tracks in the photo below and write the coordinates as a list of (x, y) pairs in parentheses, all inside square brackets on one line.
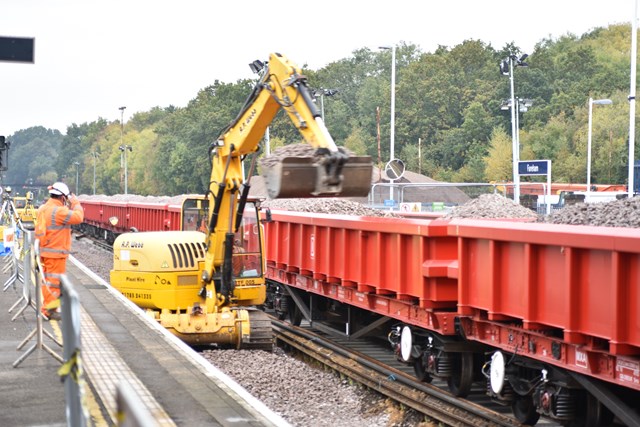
[(260, 333)]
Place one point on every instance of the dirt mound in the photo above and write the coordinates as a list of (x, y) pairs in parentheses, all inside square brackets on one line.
[(491, 206), (618, 213)]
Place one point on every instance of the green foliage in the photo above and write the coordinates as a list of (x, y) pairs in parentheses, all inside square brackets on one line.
[(499, 161), (449, 99), (32, 156), (356, 142)]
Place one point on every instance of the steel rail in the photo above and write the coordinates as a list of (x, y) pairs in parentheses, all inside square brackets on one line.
[(426, 399)]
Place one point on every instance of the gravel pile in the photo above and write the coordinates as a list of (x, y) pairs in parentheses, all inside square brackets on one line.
[(327, 206), (618, 213), (134, 198), (293, 150), (491, 206), (302, 395)]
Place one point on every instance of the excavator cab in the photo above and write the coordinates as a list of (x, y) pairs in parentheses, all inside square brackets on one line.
[(194, 213)]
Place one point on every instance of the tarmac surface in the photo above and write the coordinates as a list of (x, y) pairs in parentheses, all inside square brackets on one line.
[(120, 345)]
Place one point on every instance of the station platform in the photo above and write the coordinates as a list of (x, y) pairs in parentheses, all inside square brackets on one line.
[(120, 345)]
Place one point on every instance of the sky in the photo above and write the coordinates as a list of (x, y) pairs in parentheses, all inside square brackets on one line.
[(93, 57)]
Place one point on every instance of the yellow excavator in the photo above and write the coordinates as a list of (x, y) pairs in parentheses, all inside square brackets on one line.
[(205, 286), (26, 210)]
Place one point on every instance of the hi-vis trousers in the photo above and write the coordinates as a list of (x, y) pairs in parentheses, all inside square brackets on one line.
[(53, 269)]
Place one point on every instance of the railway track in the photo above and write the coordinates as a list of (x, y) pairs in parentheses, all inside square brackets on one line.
[(98, 242), (427, 399)]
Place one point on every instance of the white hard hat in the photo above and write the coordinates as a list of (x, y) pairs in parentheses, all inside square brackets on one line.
[(59, 189)]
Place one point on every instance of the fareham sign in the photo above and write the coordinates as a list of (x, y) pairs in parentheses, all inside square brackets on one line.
[(537, 167), (534, 167)]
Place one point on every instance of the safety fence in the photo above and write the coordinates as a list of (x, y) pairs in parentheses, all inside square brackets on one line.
[(20, 253)]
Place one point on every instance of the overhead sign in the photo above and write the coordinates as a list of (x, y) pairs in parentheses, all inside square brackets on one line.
[(16, 49), (534, 167)]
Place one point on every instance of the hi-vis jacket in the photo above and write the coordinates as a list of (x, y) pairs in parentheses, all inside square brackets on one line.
[(53, 227)]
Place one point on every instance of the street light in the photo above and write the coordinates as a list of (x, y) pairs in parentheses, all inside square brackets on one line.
[(77, 174), (124, 149), (522, 106), (94, 154), (631, 185), (506, 68), (591, 102), (321, 93), (393, 107)]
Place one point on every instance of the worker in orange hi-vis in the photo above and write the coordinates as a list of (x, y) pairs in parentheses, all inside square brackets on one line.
[(53, 229)]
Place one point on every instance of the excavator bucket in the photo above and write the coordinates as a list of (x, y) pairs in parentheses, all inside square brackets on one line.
[(301, 177)]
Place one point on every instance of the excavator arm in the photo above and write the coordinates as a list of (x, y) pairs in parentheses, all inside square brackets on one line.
[(330, 172)]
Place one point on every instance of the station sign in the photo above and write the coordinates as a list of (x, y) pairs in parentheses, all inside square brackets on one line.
[(534, 167)]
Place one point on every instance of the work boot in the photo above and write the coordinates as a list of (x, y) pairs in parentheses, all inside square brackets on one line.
[(52, 315)]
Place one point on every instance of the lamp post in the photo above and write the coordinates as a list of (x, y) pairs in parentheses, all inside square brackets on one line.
[(123, 148), (77, 174), (591, 102), (94, 154), (506, 68), (632, 101), (522, 106), (393, 107)]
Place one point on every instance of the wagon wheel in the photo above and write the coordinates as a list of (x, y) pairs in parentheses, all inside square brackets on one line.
[(420, 371), (460, 382), (524, 410)]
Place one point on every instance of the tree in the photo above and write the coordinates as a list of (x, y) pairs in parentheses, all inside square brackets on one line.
[(499, 160)]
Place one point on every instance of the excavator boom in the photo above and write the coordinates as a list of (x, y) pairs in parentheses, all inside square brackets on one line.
[(204, 285)]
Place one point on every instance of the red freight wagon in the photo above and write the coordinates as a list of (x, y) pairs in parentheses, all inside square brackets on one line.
[(388, 265), (153, 217), (561, 302), (107, 218), (583, 281)]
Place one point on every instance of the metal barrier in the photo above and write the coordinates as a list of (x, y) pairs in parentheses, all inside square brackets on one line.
[(39, 331), (27, 277), (131, 410), (12, 223), (24, 262), (71, 371)]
